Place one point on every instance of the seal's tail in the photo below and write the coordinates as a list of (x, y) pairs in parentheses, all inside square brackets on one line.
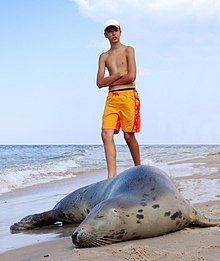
[(202, 221)]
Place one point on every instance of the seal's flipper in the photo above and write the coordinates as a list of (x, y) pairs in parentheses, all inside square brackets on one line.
[(36, 220)]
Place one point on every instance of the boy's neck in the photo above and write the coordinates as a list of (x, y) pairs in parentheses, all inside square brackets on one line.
[(115, 46)]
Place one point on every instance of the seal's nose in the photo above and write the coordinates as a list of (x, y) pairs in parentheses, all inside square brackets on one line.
[(74, 237)]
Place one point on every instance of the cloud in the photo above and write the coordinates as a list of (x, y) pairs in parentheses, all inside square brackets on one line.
[(156, 12), (177, 24)]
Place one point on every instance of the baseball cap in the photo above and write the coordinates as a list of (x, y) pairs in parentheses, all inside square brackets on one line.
[(112, 22)]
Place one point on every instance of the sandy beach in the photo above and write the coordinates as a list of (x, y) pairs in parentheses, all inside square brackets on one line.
[(54, 243)]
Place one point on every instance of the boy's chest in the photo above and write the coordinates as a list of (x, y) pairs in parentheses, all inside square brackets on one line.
[(118, 60)]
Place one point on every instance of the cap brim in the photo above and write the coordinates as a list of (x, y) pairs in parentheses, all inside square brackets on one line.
[(115, 25)]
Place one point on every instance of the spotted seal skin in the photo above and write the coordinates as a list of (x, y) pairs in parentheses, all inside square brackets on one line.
[(140, 202)]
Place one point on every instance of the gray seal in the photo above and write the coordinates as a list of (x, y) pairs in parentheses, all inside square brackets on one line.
[(140, 202)]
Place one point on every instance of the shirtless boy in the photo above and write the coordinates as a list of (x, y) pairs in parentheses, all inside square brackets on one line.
[(122, 108)]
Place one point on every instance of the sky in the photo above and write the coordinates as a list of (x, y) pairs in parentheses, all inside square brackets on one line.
[(49, 53)]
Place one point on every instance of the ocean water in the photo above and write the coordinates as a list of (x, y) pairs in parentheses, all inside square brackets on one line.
[(27, 165)]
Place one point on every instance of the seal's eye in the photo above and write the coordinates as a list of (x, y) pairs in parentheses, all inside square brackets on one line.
[(115, 210)]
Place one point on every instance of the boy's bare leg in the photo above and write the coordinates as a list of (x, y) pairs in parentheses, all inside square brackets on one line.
[(133, 147), (110, 151)]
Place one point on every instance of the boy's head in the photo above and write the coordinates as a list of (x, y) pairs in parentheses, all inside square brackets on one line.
[(111, 25)]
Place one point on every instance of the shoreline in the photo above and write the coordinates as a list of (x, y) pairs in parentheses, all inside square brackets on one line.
[(54, 243)]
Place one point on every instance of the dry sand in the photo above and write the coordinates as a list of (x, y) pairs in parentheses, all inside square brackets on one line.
[(192, 243)]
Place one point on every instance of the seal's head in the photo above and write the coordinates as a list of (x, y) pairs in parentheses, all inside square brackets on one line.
[(107, 223)]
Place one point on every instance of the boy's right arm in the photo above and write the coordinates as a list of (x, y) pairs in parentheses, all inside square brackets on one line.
[(103, 81)]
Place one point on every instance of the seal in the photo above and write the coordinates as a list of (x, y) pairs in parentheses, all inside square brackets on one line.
[(140, 202)]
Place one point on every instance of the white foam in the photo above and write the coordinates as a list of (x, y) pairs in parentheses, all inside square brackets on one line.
[(12, 179), (148, 162), (187, 169), (200, 190), (195, 189), (179, 170)]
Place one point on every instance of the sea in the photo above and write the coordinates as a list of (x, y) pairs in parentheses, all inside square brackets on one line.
[(28, 165)]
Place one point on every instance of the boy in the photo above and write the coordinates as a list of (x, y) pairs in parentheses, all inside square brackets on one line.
[(122, 109)]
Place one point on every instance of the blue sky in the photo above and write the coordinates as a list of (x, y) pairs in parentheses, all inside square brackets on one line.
[(49, 51)]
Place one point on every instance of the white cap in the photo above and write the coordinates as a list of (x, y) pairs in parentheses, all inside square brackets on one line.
[(112, 22)]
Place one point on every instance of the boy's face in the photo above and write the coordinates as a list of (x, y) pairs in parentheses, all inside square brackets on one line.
[(112, 33)]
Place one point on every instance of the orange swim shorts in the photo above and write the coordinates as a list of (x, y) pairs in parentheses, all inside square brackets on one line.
[(122, 110)]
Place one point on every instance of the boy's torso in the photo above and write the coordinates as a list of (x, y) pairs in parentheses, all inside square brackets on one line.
[(116, 61)]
